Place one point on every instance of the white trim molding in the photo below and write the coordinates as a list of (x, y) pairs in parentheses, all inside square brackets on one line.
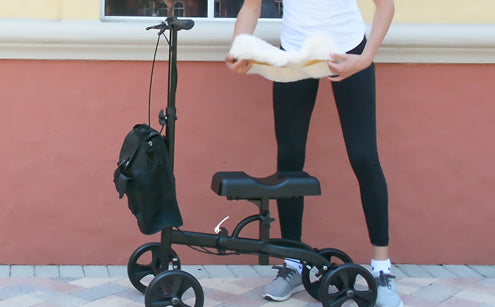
[(209, 40)]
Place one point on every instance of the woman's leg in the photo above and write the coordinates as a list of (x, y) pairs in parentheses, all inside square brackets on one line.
[(293, 104), (355, 99), (356, 102)]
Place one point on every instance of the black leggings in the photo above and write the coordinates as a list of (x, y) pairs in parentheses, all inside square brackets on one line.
[(355, 98)]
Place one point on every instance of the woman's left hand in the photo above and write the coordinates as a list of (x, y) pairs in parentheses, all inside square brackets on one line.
[(346, 65)]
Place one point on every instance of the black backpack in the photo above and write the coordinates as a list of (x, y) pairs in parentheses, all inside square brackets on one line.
[(144, 174)]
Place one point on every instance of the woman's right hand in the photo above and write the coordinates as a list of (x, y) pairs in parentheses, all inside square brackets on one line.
[(236, 65)]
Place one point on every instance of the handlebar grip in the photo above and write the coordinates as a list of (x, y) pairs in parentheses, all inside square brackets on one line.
[(182, 24)]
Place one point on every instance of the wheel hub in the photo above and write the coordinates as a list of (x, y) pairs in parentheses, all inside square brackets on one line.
[(175, 301)]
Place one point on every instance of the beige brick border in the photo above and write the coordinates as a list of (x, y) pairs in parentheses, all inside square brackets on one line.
[(209, 41)]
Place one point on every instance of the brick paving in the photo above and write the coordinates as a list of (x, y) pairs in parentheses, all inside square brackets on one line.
[(230, 286)]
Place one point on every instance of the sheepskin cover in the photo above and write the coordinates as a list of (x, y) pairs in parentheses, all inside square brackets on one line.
[(286, 66)]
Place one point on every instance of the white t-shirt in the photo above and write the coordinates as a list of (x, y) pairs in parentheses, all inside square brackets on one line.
[(341, 20)]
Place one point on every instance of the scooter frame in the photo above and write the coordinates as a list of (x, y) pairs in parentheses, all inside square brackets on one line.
[(328, 274)]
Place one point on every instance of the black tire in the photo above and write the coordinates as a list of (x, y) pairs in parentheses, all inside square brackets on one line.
[(348, 282), (174, 288), (144, 264), (311, 276)]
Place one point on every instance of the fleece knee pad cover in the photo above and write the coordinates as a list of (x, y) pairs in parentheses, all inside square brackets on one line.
[(286, 66)]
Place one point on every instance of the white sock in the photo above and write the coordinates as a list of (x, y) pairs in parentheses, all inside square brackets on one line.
[(294, 264), (378, 266)]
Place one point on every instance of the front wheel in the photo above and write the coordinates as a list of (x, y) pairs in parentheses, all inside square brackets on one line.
[(174, 288), (349, 283)]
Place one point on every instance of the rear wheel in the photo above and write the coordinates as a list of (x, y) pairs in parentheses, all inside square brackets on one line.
[(144, 264), (311, 276)]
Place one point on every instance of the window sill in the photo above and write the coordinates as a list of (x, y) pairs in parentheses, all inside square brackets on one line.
[(210, 40)]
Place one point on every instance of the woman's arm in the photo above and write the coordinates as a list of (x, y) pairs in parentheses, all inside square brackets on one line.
[(379, 28), (247, 19), (345, 65), (246, 22)]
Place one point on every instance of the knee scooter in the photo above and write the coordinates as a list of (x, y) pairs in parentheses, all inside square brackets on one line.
[(328, 275)]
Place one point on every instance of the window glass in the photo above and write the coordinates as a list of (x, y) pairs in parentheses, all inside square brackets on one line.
[(186, 8), (230, 8)]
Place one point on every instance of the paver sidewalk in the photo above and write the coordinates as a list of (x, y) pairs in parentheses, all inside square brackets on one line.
[(232, 286)]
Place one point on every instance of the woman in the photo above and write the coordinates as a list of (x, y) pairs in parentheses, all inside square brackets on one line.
[(354, 91)]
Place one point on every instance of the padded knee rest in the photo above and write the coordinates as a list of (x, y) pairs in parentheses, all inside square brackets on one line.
[(239, 185)]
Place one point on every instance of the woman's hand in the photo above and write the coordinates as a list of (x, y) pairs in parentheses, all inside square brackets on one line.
[(346, 65), (237, 66)]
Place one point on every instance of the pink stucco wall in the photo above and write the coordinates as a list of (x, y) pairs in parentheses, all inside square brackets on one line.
[(63, 123)]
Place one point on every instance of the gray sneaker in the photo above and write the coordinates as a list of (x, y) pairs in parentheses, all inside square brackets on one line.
[(387, 292), (287, 282)]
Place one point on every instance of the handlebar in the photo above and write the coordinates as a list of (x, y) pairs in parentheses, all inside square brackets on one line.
[(172, 23)]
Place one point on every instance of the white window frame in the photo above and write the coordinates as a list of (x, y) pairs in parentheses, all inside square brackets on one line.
[(209, 40), (210, 14)]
